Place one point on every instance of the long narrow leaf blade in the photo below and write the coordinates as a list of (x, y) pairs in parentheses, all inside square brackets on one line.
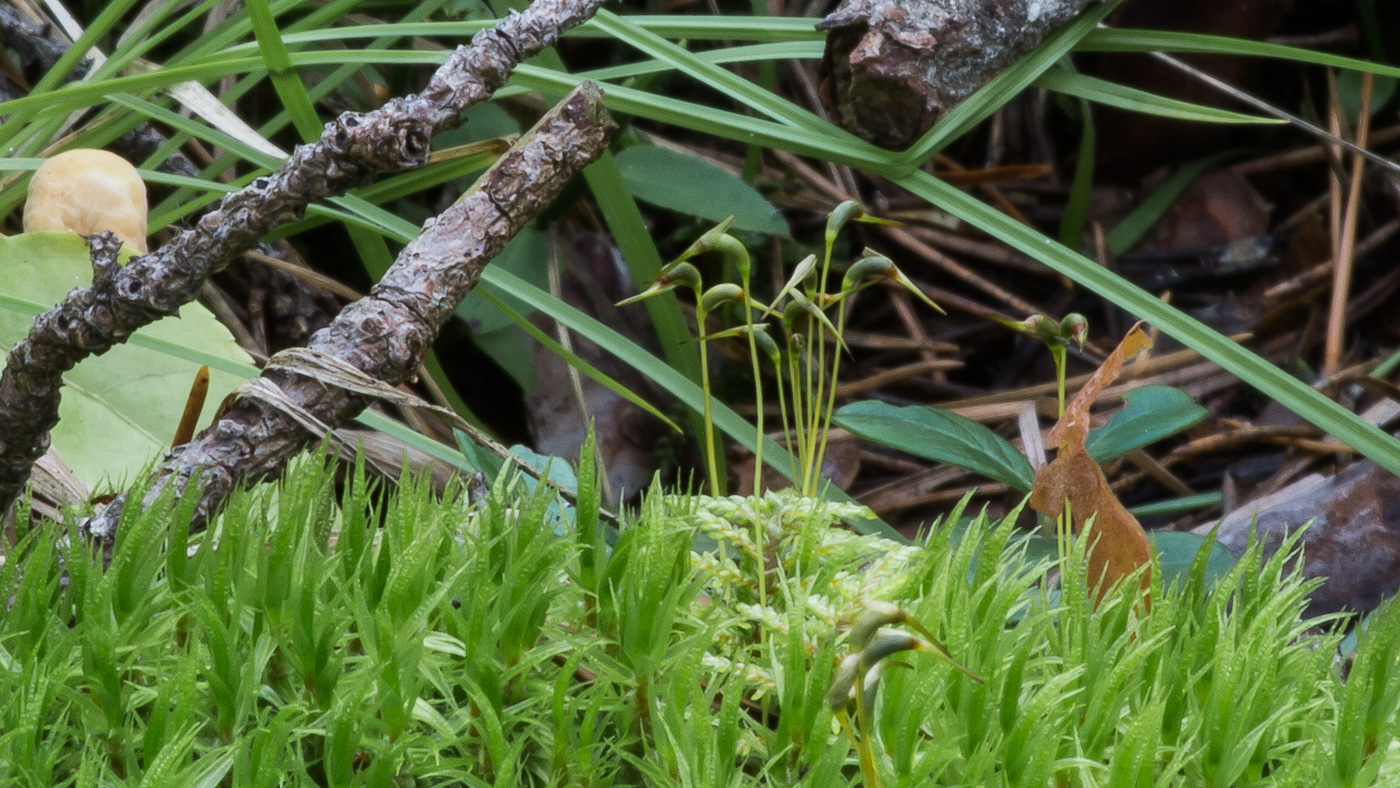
[(1249, 367)]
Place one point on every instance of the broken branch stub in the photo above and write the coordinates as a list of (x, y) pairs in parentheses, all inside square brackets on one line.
[(893, 67), (386, 333), (354, 148)]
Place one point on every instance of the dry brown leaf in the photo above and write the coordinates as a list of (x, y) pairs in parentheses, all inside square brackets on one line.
[(1073, 426), (1119, 546)]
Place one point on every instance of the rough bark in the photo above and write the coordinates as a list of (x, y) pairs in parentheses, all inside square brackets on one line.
[(354, 148), (385, 334), (893, 67)]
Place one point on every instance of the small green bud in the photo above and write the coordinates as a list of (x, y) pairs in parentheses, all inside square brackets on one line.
[(877, 614), (843, 682), (1074, 328), (672, 276), (722, 293), (889, 641)]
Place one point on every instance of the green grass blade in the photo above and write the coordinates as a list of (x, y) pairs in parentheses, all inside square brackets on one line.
[(1001, 88), (1076, 216), (1199, 43), (1101, 91), (709, 74), (285, 79), (756, 53), (688, 27), (707, 120), (1287, 390)]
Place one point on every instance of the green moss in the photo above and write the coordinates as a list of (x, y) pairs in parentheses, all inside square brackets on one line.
[(381, 639)]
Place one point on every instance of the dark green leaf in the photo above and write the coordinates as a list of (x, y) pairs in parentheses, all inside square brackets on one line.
[(510, 348), (1135, 226), (1153, 413), (1177, 549), (689, 184), (526, 256), (1349, 94), (941, 436)]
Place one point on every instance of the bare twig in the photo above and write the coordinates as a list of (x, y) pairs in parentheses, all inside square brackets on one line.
[(354, 148), (385, 334)]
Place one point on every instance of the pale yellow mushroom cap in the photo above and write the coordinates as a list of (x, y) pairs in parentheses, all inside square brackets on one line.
[(88, 191)]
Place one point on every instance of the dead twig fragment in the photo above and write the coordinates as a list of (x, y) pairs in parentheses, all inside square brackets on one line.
[(354, 148), (1346, 245), (386, 334), (893, 67)]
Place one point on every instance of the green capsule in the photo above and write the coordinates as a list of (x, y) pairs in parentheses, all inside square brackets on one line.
[(804, 274), (871, 684), (767, 345), (722, 293), (843, 682), (707, 241), (672, 276), (838, 218), (1074, 328), (717, 240), (877, 614), (872, 264), (886, 642)]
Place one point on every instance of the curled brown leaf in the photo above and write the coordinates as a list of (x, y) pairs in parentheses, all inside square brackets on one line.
[(1119, 545)]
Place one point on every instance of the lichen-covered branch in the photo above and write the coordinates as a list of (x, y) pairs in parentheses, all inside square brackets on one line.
[(385, 334), (893, 67), (354, 148)]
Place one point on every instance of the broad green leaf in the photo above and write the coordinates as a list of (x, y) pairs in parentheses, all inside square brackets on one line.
[(689, 184), (510, 349), (119, 409), (1349, 94), (1153, 413), (477, 457), (941, 436), (526, 256), (1177, 549)]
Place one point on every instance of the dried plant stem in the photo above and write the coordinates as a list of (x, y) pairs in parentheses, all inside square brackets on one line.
[(1346, 246)]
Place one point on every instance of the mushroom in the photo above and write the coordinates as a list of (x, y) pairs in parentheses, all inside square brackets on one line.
[(88, 191)]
